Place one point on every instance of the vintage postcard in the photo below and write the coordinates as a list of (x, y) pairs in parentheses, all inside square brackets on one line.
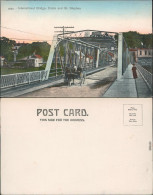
[(51, 48), (76, 97)]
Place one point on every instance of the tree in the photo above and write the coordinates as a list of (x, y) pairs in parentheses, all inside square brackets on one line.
[(40, 48), (137, 40), (6, 48)]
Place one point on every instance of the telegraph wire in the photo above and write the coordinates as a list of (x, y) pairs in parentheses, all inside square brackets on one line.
[(22, 31), (28, 39)]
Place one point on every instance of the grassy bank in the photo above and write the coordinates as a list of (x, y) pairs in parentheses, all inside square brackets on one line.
[(7, 70), (21, 69)]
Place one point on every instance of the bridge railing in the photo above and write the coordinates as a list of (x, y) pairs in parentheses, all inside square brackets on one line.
[(12, 80), (147, 76)]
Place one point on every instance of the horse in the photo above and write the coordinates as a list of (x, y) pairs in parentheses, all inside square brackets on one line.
[(70, 75)]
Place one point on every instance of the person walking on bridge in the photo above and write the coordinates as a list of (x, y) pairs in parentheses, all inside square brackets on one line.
[(134, 71)]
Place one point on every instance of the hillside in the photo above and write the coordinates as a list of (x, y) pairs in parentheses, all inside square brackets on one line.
[(6, 48), (137, 40)]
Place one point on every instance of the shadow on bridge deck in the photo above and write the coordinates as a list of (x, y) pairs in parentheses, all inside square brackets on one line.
[(128, 87)]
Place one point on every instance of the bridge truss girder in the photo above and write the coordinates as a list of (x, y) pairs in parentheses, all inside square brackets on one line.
[(92, 53)]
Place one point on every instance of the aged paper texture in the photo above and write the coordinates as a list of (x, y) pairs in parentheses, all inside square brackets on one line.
[(96, 154), (76, 97)]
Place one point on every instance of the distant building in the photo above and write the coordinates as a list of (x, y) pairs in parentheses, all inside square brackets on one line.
[(31, 61), (35, 61), (144, 52), (143, 56)]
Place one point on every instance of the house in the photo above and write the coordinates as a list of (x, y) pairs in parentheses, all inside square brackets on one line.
[(35, 61), (141, 53), (144, 52), (143, 56)]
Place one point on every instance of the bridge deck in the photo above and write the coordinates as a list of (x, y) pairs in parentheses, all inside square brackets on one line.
[(28, 88), (95, 85)]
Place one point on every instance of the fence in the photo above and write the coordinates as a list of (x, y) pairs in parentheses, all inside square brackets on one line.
[(147, 76), (12, 80)]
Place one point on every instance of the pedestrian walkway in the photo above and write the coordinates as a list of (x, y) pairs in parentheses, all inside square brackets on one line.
[(128, 87)]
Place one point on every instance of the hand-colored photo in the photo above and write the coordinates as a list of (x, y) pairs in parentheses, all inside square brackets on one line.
[(76, 49)]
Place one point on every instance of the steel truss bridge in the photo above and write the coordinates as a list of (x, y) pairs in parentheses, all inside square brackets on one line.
[(90, 49)]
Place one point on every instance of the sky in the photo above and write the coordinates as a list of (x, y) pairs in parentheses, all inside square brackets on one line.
[(36, 19)]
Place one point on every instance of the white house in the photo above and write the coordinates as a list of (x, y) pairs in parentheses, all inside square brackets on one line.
[(144, 52), (35, 60), (141, 54)]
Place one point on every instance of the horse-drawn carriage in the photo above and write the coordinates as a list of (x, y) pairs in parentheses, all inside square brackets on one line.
[(74, 73)]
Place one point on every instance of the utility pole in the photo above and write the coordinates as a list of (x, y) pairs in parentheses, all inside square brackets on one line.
[(63, 29)]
